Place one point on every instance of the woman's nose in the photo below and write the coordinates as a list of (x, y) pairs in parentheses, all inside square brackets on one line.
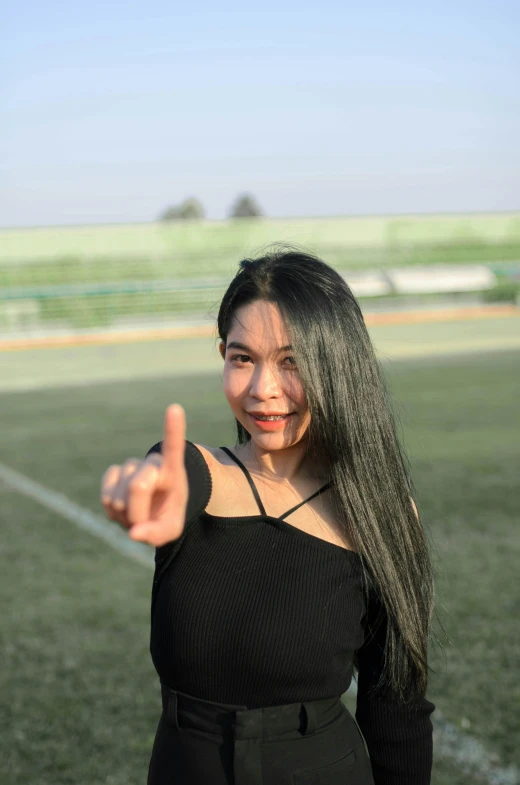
[(265, 382)]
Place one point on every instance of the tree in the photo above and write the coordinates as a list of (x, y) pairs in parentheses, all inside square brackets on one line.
[(245, 206), (170, 214), (189, 210)]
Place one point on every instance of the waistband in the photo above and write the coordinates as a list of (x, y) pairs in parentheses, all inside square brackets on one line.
[(239, 722)]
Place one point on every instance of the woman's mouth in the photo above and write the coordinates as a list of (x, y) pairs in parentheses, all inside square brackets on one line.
[(271, 422), (271, 416)]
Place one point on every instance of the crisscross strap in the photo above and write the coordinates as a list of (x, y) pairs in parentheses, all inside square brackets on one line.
[(323, 488), (257, 496)]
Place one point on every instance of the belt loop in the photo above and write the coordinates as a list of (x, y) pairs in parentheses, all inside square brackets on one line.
[(171, 709), (310, 711)]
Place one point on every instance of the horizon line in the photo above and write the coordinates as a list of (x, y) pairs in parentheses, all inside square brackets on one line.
[(353, 216)]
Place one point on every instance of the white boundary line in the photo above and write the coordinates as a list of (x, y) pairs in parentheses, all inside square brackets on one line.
[(449, 742), (84, 519), (470, 754)]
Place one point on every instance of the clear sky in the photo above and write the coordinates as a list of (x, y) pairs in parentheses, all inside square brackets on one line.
[(110, 111)]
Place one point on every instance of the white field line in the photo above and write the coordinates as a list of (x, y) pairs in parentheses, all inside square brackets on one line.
[(470, 755), (79, 516), (449, 742)]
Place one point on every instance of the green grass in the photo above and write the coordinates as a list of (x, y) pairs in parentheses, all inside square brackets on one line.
[(77, 685)]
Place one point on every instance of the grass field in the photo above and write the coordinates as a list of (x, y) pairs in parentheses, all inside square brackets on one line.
[(78, 690)]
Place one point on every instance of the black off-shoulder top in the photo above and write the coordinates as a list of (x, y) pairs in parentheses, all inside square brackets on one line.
[(250, 610)]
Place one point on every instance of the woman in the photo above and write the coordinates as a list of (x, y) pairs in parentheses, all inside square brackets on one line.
[(258, 622)]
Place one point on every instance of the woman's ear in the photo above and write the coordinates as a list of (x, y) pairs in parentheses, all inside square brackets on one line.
[(222, 349)]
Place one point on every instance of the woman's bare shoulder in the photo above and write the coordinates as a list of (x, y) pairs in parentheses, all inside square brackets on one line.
[(223, 479), (214, 456)]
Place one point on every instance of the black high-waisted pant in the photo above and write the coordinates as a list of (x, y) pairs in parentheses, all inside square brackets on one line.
[(203, 743)]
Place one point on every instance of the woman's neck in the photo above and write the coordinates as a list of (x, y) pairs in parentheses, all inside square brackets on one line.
[(279, 466)]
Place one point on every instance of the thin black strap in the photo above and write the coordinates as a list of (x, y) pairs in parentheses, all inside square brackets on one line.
[(249, 479), (323, 488), (257, 497)]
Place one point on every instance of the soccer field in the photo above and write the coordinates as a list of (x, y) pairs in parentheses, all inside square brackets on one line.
[(79, 694)]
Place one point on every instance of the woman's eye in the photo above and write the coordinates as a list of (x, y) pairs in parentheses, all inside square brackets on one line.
[(245, 358)]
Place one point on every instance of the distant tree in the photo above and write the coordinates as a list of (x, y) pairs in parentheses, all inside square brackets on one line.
[(245, 206), (189, 210), (170, 214)]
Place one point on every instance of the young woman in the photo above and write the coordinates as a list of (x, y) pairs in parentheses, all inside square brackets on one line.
[(292, 560)]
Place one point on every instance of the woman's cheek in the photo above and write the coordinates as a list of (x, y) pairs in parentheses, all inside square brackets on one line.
[(233, 388), (297, 394)]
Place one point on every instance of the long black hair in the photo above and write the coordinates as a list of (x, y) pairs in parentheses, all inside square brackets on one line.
[(352, 433)]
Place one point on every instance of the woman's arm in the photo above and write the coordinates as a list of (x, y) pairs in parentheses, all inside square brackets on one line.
[(399, 738)]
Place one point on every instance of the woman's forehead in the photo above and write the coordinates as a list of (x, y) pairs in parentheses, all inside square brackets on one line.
[(259, 325)]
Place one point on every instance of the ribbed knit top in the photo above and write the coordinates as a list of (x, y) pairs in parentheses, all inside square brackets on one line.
[(253, 611)]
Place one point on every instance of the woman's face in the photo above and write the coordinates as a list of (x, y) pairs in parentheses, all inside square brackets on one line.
[(260, 377)]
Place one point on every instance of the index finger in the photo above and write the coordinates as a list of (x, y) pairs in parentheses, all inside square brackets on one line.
[(173, 445)]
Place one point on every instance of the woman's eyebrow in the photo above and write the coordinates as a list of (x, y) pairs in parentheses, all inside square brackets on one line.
[(238, 345)]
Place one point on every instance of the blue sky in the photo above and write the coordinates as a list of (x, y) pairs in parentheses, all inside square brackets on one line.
[(109, 112)]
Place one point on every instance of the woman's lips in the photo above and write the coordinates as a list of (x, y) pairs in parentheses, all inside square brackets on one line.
[(269, 414), (271, 425)]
